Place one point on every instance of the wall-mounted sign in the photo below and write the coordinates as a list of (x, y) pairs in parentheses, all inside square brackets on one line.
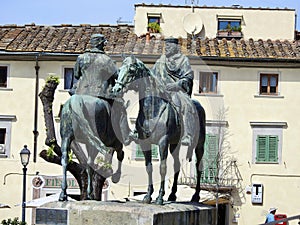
[(257, 194), (38, 182)]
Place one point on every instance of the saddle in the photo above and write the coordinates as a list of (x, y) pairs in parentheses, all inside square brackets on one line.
[(149, 125)]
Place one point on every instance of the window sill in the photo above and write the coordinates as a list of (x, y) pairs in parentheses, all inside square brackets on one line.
[(272, 163), (5, 89), (208, 95), (3, 156), (268, 96), (229, 35)]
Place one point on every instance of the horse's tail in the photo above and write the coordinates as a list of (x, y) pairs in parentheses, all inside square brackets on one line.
[(83, 107), (202, 121)]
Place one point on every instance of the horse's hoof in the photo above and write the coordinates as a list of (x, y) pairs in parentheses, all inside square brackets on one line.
[(90, 197), (195, 198), (159, 201), (147, 199), (172, 197), (62, 197), (116, 177)]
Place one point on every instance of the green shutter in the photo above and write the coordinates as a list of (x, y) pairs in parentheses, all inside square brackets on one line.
[(154, 149), (209, 159), (267, 148), (139, 152), (273, 148), (261, 148)]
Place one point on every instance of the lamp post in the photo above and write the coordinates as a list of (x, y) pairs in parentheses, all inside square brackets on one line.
[(24, 154)]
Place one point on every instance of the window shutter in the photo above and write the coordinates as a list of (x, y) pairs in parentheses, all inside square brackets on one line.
[(261, 149), (273, 148), (139, 152), (267, 148), (209, 159), (154, 149)]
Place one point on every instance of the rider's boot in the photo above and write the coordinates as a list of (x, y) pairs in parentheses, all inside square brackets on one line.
[(188, 128)]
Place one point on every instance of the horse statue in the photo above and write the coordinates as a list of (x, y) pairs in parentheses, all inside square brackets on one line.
[(88, 120), (157, 123)]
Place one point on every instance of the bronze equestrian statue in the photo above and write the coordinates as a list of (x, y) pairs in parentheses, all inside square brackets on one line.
[(92, 116), (159, 123)]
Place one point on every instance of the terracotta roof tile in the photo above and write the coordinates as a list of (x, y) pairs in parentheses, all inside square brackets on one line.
[(68, 38)]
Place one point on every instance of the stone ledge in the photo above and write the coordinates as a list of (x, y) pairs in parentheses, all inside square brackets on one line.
[(132, 213)]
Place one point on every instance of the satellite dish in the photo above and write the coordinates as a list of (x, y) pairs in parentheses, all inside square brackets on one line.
[(192, 23)]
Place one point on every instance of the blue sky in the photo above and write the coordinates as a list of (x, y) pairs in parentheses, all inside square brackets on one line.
[(53, 12)]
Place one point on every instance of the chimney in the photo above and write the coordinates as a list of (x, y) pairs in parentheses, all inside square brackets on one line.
[(147, 37)]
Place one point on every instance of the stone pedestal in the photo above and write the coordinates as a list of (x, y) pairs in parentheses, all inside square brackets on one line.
[(128, 213)]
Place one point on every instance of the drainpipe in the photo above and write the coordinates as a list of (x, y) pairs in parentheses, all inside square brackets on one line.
[(35, 131)]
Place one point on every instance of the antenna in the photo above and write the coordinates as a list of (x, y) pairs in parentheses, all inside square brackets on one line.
[(120, 21), (192, 2)]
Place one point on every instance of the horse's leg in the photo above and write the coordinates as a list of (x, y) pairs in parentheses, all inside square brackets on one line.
[(199, 153), (146, 148), (89, 171), (163, 150), (174, 149), (65, 146), (120, 156)]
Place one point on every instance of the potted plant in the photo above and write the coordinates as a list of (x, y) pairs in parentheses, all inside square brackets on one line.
[(236, 31), (154, 27)]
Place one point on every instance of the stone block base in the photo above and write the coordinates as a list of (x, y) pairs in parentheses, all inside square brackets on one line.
[(128, 213)]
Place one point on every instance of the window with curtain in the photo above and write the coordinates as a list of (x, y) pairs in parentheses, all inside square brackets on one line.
[(208, 82), (268, 84), (5, 135), (69, 79)]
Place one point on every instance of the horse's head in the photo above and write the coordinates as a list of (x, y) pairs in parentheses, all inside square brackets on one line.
[(130, 71)]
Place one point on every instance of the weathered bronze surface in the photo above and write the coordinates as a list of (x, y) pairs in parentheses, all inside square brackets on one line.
[(93, 117), (158, 123)]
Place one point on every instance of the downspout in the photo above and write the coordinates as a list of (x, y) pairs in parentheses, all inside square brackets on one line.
[(35, 131)]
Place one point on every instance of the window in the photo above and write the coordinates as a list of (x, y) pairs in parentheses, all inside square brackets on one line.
[(267, 148), (69, 79), (154, 19), (227, 25), (208, 82), (267, 141), (209, 160), (228, 28), (3, 76), (154, 22), (139, 154), (268, 84), (5, 135)]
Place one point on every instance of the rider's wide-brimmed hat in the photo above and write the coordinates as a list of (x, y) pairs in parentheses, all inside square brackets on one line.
[(98, 37), (171, 40)]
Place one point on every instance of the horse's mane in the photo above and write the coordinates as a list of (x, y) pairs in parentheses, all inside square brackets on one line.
[(156, 83)]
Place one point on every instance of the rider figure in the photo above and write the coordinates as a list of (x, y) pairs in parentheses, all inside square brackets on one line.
[(174, 70), (97, 72)]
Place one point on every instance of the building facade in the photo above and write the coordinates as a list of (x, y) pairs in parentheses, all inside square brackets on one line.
[(247, 85)]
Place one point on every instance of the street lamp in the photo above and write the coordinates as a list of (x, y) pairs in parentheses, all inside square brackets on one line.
[(24, 154)]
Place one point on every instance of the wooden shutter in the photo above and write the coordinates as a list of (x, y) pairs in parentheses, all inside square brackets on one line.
[(209, 160), (139, 152), (267, 148), (273, 148)]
